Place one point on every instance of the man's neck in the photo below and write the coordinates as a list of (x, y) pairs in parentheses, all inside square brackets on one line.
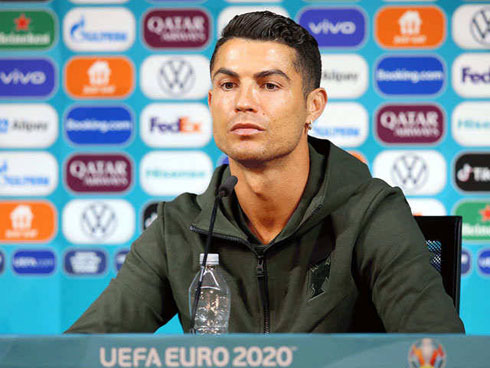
[(269, 194)]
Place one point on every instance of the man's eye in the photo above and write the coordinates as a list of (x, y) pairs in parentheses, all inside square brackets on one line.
[(270, 86), (227, 85)]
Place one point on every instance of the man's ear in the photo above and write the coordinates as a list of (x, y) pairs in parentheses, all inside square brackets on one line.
[(315, 103), (210, 95)]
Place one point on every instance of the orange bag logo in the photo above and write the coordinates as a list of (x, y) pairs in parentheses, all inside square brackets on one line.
[(27, 222), (99, 77), (410, 27)]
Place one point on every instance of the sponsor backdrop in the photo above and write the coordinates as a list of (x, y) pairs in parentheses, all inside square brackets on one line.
[(103, 113)]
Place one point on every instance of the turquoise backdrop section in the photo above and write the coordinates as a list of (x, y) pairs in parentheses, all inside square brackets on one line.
[(50, 304)]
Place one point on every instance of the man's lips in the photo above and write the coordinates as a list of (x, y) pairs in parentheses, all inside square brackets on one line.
[(246, 128)]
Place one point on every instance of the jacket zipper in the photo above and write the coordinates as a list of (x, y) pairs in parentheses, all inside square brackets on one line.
[(264, 290), (261, 270)]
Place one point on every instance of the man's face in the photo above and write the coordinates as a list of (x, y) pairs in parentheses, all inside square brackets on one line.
[(256, 101)]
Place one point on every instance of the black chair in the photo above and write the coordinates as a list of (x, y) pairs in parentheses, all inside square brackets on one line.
[(443, 238)]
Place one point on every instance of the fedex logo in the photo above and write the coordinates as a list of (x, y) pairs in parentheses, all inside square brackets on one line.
[(181, 125), (469, 75)]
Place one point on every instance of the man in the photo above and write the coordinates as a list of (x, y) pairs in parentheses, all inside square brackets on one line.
[(309, 242)]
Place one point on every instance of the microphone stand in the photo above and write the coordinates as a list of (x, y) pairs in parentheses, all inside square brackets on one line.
[(223, 191)]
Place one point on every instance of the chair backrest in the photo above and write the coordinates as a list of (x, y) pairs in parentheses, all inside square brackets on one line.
[(443, 238)]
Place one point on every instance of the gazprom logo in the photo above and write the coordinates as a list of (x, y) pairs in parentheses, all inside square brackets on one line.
[(34, 262), (99, 125), (335, 27), (99, 29), (410, 75)]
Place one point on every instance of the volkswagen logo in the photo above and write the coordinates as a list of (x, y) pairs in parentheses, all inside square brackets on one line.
[(480, 26), (409, 172), (98, 220), (176, 77)]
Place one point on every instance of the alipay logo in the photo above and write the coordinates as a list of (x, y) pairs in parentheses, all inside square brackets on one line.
[(99, 29), (87, 262), (27, 174), (99, 125), (410, 75), (175, 76), (335, 27), (176, 125), (344, 75), (27, 125), (26, 78), (34, 262)]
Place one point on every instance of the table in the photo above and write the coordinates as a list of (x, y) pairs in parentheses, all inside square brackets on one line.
[(245, 350)]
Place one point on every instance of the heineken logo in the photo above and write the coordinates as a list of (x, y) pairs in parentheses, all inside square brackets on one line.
[(32, 29), (476, 219)]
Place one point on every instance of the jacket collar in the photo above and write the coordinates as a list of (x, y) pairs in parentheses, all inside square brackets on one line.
[(340, 173)]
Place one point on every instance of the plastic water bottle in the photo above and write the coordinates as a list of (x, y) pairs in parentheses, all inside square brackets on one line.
[(213, 308)]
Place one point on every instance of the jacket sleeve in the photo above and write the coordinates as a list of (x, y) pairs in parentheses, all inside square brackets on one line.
[(406, 289), (139, 299)]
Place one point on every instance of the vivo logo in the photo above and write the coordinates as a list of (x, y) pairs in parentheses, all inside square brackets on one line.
[(26, 78), (18, 77), (335, 27), (327, 27)]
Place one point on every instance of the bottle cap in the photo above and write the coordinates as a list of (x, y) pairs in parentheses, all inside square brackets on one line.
[(212, 260)]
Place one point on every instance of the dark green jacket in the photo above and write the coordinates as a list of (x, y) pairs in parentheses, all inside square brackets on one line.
[(351, 258)]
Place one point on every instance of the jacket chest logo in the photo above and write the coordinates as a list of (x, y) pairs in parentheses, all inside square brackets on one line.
[(319, 275)]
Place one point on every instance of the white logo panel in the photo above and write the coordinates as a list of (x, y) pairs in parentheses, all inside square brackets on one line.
[(175, 77), (94, 221), (172, 173), (426, 207), (471, 26), (471, 124), (176, 125), (471, 75), (344, 75), (27, 125), (230, 12), (415, 172), (344, 123), (99, 29), (27, 173)]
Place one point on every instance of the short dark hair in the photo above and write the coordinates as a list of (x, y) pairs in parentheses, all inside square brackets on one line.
[(268, 26)]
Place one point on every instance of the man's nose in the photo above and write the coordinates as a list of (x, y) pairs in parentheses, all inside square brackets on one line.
[(246, 99)]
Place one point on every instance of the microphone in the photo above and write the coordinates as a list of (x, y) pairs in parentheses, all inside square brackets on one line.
[(224, 190)]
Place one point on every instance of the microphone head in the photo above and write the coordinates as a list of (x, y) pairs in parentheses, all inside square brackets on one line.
[(226, 188)]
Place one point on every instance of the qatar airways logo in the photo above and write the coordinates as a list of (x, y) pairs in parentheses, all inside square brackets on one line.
[(98, 173), (410, 124), (176, 28)]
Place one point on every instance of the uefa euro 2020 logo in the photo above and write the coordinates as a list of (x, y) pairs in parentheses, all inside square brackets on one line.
[(426, 353)]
